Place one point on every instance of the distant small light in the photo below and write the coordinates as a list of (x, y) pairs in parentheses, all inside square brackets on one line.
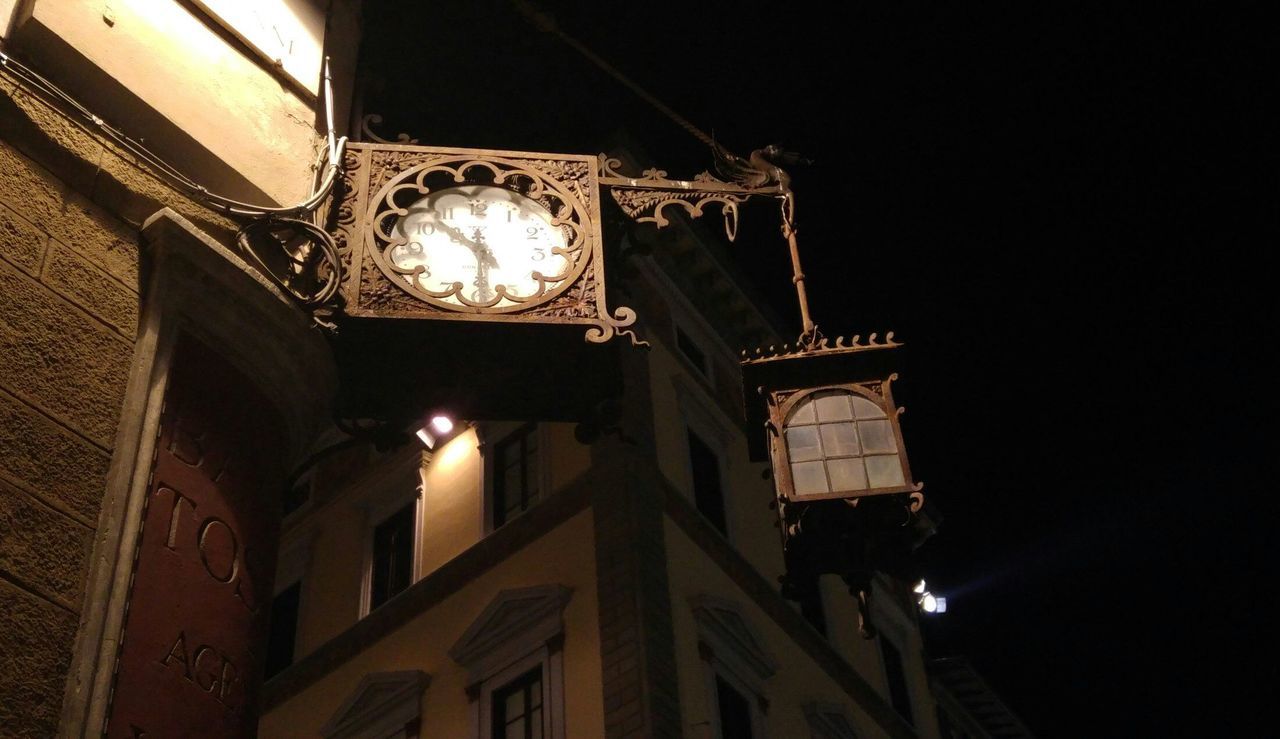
[(929, 603), (919, 588), (942, 605), (442, 424)]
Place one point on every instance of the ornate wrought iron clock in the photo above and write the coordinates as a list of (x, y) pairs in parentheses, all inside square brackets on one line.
[(474, 235)]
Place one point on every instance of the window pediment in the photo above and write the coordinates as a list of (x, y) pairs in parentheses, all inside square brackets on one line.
[(380, 706), (515, 622), (732, 639), (829, 721)]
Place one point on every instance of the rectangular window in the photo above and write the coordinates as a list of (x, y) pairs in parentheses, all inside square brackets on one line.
[(392, 556), (899, 695), (298, 495), (517, 708), (690, 349), (516, 475), (708, 495), (284, 629), (735, 711), (811, 608)]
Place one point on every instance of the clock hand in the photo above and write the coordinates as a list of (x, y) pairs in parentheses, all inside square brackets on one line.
[(484, 259), (456, 236), (483, 252)]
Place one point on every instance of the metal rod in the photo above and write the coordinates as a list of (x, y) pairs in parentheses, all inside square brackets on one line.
[(797, 274)]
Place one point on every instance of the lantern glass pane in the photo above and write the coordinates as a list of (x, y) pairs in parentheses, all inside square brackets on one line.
[(802, 413), (833, 407), (864, 408), (847, 474), (877, 436), (839, 440), (809, 478), (884, 471), (802, 444)]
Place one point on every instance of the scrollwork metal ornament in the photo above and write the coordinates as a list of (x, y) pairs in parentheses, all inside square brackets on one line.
[(373, 119), (645, 198), (301, 257)]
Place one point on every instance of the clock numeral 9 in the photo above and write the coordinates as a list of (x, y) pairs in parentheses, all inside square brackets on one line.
[(539, 254)]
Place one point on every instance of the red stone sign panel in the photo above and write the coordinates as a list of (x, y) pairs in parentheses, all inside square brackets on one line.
[(191, 657)]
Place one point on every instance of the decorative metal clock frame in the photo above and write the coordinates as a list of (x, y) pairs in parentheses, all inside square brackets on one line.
[(380, 181)]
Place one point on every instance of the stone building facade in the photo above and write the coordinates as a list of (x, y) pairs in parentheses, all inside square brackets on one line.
[(630, 591)]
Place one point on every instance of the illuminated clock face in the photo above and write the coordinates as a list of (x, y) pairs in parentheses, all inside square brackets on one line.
[(480, 246)]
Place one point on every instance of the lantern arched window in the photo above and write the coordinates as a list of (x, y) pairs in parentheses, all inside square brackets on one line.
[(840, 443)]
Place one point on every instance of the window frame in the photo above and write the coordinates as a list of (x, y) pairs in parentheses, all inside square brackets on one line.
[(781, 408), (716, 454), (705, 368), (504, 433), (703, 418), (551, 666), (732, 650), (522, 685), (292, 566), (379, 507), (713, 669), (911, 717), (520, 630)]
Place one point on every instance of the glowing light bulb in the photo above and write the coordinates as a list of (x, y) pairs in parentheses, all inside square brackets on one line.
[(442, 424), (919, 588), (929, 603)]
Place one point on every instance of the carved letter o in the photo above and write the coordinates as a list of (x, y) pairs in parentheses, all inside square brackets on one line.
[(233, 561)]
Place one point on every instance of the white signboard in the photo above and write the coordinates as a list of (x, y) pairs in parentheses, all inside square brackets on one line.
[(288, 34)]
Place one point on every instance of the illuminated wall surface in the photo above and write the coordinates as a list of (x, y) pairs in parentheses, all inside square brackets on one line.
[(511, 579)]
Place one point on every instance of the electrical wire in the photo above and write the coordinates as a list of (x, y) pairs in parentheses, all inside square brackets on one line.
[(335, 147)]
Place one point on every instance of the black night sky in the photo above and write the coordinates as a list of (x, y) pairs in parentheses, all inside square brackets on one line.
[(1050, 206)]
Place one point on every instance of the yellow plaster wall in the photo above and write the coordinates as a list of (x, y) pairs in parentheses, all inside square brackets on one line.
[(799, 680), (746, 493), (564, 556), (842, 633), (453, 502), (452, 521), (569, 459), (184, 71)]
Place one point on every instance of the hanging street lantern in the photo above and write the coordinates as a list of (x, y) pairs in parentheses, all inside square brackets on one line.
[(846, 500)]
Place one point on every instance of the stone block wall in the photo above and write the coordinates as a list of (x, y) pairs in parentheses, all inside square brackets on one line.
[(70, 206)]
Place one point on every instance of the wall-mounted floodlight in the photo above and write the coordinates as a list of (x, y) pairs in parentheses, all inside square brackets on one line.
[(435, 431), (928, 602)]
